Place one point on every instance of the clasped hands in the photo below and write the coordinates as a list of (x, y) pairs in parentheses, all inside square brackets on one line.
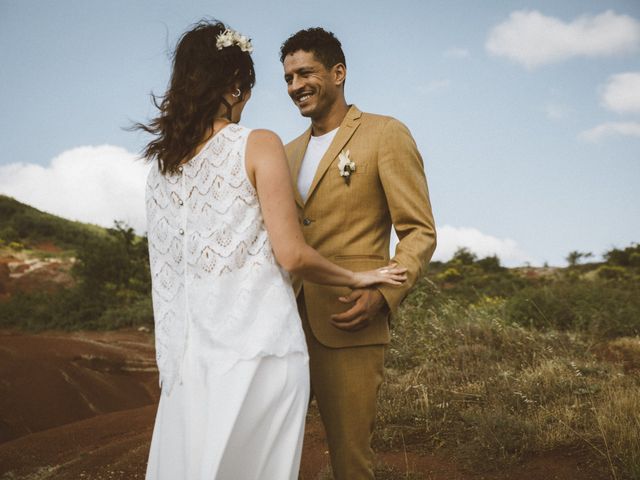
[(367, 303)]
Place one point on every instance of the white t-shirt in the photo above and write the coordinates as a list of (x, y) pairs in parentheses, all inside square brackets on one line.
[(316, 149)]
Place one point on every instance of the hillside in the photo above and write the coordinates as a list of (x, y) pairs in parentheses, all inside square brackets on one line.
[(38, 249), (37, 230), (492, 372), (82, 405), (57, 273)]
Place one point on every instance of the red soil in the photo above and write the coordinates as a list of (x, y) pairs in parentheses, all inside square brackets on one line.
[(47, 380), (82, 405), (22, 273), (49, 247)]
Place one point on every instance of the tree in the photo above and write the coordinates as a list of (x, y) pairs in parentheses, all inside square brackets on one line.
[(118, 261), (575, 257), (464, 256), (623, 258), (490, 264)]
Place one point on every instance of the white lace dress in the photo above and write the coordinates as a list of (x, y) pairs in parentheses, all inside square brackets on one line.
[(230, 349)]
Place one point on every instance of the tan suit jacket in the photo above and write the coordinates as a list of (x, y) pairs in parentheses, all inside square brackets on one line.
[(351, 224)]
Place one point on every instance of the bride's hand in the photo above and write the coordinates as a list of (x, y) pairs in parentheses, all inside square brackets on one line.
[(392, 274)]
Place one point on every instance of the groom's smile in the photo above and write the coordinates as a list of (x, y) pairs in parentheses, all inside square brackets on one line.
[(302, 98)]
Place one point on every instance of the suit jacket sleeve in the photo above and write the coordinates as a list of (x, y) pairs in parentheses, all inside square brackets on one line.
[(401, 172)]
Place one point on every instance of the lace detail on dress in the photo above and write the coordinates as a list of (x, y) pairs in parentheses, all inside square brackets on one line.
[(216, 285)]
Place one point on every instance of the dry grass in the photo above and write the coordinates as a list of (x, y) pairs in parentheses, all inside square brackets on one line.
[(463, 380), (381, 472)]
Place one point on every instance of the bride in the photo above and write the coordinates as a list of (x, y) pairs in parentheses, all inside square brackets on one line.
[(224, 235)]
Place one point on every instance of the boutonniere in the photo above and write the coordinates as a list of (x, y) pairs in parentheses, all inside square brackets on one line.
[(346, 166)]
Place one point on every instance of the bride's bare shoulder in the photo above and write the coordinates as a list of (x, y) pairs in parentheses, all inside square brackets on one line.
[(265, 156), (264, 143), (264, 136)]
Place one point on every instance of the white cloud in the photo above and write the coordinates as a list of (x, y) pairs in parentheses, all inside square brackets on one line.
[(533, 39), (622, 93), (456, 52), (611, 129), (483, 245), (90, 184)]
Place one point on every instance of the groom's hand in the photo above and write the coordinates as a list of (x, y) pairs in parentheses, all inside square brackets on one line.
[(368, 302)]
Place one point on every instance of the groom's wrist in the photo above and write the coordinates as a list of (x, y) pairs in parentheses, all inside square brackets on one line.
[(383, 305), (389, 295)]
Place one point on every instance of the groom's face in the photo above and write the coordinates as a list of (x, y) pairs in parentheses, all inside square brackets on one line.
[(311, 86)]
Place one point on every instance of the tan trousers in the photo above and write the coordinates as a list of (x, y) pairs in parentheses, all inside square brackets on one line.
[(345, 383)]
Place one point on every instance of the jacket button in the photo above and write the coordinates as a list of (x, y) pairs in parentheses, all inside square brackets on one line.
[(180, 169), (181, 232), (180, 202), (306, 222)]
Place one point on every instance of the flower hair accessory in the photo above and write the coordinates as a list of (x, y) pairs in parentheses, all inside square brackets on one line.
[(230, 38), (346, 166)]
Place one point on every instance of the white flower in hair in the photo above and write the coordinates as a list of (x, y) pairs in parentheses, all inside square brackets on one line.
[(229, 38), (245, 44)]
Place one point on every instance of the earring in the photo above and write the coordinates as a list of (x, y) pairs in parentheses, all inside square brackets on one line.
[(237, 93)]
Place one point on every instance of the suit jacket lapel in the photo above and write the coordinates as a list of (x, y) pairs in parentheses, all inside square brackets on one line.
[(296, 163), (349, 125)]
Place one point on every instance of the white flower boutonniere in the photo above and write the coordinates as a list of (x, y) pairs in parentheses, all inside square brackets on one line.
[(346, 166)]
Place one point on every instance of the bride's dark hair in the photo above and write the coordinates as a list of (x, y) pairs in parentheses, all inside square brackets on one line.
[(201, 75)]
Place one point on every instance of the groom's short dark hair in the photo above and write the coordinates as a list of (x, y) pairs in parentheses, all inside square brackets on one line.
[(323, 44)]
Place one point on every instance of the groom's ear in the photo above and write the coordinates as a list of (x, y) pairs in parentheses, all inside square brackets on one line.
[(339, 71)]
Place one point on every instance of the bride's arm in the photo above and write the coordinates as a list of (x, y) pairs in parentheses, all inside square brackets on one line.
[(267, 168)]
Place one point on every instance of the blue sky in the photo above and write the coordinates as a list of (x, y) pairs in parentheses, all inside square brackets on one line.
[(527, 113)]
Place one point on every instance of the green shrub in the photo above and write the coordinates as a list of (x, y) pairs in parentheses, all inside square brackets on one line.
[(464, 381), (604, 308), (463, 256), (16, 246), (625, 257), (608, 272), (490, 264), (112, 289), (137, 313), (450, 275), (66, 309)]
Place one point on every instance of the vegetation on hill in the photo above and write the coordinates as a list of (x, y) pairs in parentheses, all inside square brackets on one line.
[(487, 363), (26, 226), (601, 298), (111, 270), (491, 365)]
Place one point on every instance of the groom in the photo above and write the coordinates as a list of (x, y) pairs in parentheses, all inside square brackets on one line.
[(355, 175)]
